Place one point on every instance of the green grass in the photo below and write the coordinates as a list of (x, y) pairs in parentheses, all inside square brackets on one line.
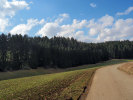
[(41, 71), (27, 73), (56, 86), (49, 87), (104, 63)]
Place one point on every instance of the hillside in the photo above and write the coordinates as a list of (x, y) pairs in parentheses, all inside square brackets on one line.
[(42, 71), (57, 86), (50, 87)]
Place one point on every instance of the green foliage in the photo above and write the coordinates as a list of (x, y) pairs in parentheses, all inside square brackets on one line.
[(21, 52)]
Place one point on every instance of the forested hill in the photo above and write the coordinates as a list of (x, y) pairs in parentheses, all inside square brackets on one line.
[(21, 52)]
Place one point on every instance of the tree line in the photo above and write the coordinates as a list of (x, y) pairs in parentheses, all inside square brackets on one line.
[(22, 52)]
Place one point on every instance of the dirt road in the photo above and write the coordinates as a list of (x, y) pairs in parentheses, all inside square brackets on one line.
[(109, 83)]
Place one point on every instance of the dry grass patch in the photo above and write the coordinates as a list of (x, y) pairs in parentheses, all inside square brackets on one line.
[(127, 67)]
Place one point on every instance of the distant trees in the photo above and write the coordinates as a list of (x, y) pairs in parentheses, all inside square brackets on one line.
[(3, 51), (19, 52)]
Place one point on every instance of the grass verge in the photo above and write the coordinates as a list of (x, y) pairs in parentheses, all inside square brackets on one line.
[(41, 71)]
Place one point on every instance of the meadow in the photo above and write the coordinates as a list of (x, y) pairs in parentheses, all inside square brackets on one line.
[(41, 71), (65, 85), (51, 86)]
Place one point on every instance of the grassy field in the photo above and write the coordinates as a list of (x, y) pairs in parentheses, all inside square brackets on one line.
[(57, 86), (49, 87), (41, 71)]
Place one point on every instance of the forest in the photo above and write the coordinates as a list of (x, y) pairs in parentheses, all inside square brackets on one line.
[(24, 52)]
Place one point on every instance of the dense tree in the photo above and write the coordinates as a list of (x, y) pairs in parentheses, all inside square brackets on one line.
[(20, 52), (3, 51)]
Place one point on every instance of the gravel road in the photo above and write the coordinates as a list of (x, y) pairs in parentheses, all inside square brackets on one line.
[(109, 83)]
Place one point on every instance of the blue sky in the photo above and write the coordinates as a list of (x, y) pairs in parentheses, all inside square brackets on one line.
[(79, 9), (85, 20)]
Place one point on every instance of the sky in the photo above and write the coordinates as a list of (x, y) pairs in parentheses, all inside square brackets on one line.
[(84, 20)]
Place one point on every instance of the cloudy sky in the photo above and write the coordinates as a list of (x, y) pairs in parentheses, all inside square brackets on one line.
[(85, 20)]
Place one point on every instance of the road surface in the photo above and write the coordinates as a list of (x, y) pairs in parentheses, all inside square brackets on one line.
[(109, 83)]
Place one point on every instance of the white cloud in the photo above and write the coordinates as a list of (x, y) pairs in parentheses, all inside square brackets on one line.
[(80, 35), (105, 28), (93, 31), (42, 21), (8, 9), (25, 28), (49, 29), (3, 23), (70, 29), (106, 20), (54, 28), (61, 18), (97, 27), (121, 29), (126, 12), (93, 5)]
